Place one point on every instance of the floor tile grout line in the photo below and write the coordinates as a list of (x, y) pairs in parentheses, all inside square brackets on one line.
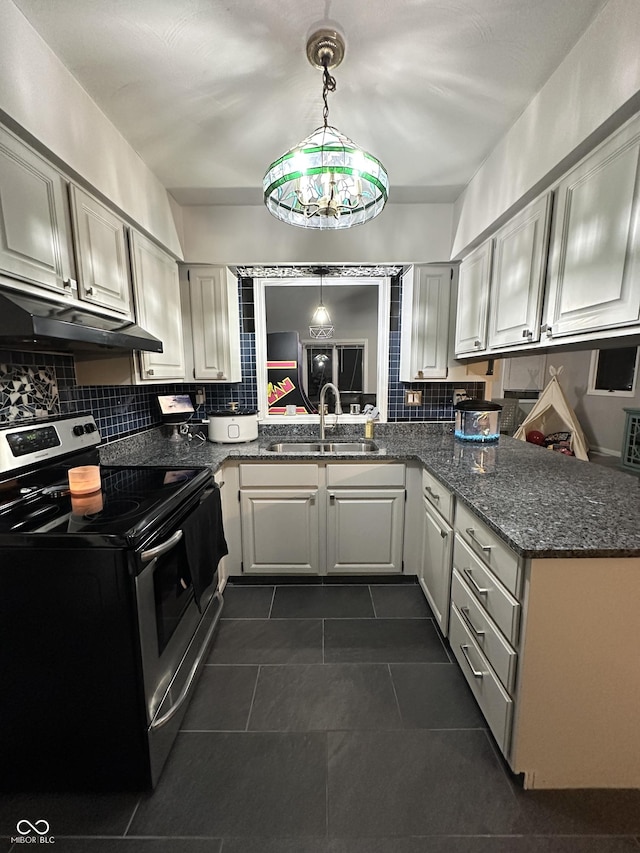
[(253, 697), (395, 693), (373, 604), (273, 597), (501, 761), (133, 814)]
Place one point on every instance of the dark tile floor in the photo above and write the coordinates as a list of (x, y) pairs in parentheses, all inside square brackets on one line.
[(331, 719)]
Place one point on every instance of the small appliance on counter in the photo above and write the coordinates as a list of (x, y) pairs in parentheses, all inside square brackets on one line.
[(233, 425), (477, 420)]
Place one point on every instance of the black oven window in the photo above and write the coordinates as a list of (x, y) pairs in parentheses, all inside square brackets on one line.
[(173, 593)]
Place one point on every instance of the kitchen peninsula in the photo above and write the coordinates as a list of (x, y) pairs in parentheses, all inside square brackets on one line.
[(549, 661)]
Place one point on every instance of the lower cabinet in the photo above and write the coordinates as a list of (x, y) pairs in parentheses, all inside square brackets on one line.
[(321, 518), (280, 530), (436, 542)]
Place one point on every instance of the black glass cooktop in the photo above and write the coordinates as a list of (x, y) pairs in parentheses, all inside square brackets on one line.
[(129, 500)]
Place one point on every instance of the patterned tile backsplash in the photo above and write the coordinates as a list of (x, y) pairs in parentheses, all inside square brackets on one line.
[(37, 384)]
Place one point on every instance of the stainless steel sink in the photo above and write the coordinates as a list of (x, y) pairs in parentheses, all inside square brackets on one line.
[(323, 447)]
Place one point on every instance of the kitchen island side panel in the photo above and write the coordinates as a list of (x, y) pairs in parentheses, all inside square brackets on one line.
[(577, 720)]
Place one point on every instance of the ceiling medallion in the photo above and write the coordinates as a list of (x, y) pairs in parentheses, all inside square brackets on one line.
[(326, 181)]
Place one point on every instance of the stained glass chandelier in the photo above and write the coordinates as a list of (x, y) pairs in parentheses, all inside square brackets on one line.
[(326, 181)]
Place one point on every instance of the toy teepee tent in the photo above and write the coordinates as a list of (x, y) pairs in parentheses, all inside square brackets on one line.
[(552, 413)]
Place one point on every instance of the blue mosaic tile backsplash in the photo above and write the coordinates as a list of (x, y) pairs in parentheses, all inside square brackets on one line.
[(37, 384)]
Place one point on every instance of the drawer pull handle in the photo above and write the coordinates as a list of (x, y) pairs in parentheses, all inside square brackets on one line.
[(464, 612), (474, 583), (475, 672), (433, 495), (471, 533)]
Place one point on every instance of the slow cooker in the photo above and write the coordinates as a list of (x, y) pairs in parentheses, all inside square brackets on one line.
[(477, 420), (228, 426)]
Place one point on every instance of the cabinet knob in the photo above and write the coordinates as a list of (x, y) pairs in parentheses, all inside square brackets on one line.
[(477, 344), (89, 291), (546, 328), (150, 372), (69, 283), (527, 333)]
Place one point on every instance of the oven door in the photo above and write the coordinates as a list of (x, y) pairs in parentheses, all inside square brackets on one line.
[(168, 617)]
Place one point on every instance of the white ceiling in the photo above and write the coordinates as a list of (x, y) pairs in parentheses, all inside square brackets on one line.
[(209, 92)]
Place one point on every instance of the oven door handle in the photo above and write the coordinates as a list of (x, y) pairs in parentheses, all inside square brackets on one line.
[(159, 550), (173, 710)]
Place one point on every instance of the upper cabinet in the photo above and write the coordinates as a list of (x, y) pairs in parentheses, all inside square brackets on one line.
[(594, 280), (102, 259), (517, 278), (157, 296), (577, 285), (34, 234), (473, 300), (502, 284), (426, 300), (212, 324)]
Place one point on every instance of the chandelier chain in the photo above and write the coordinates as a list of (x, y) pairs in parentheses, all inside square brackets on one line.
[(328, 85)]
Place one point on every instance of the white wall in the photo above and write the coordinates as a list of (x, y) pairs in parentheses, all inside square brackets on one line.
[(251, 235), (602, 418), (41, 96), (600, 76)]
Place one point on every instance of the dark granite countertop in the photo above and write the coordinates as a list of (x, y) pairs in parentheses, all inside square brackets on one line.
[(541, 503)]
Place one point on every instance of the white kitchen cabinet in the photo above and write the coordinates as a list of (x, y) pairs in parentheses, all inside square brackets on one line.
[(473, 300), (322, 517), (426, 302), (157, 295), (35, 243), (280, 530), (518, 276), (435, 565), (102, 258), (365, 530), (212, 324), (594, 277), (436, 539)]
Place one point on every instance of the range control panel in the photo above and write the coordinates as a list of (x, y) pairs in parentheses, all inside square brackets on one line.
[(37, 440)]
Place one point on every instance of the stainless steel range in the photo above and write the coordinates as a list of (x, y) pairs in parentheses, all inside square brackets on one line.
[(108, 609)]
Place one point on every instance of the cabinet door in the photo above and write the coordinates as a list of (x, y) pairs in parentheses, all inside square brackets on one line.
[(101, 253), (426, 300), (155, 280), (594, 280), (435, 566), (215, 324), (517, 280), (280, 530), (473, 300), (34, 239), (365, 530)]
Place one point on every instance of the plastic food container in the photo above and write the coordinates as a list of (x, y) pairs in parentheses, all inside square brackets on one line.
[(477, 420)]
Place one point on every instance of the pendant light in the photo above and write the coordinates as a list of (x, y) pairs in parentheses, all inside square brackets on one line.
[(326, 181), (321, 327)]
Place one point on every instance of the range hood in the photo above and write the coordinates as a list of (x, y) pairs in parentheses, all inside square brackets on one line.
[(27, 322)]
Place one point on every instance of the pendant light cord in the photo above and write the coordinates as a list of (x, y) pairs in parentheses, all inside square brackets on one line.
[(328, 85)]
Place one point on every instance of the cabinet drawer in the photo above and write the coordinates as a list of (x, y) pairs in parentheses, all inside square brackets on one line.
[(365, 474), (499, 653), (503, 608), (278, 474), (437, 495), (494, 702), (502, 561)]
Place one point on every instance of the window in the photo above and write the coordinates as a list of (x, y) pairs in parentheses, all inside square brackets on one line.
[(614, 371), (343, 364)]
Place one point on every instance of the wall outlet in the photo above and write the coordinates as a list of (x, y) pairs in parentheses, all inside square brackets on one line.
[(412, 398), (458, 395), (200, 397)]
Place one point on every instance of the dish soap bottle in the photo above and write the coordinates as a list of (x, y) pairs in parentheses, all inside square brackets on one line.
[(368, 428)]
